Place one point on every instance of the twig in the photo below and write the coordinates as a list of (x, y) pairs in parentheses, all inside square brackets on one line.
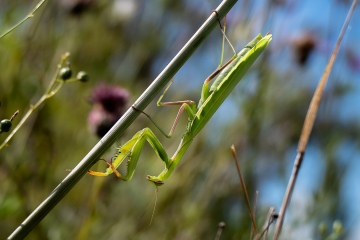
[(30, 15), (52, 89), (14, 115), (246, 196), (309, 123), (270, 218), (220, 230), (255, 204)]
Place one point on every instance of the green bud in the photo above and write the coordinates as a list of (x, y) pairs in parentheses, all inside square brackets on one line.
[(65, 73), (338, 227), (323, 228), (5, 125), (82, 76)]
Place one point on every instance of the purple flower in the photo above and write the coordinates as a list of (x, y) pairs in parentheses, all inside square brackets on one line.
[(109, 104), (76, 7), (303, 46)]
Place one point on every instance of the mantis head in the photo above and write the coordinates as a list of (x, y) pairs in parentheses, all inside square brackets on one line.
[(155, 180)]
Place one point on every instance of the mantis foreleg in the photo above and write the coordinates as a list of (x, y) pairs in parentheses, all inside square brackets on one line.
[(132, 150)]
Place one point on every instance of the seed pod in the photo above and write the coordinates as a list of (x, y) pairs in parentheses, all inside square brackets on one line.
[(82, 76), (5, 125), (65, 73)]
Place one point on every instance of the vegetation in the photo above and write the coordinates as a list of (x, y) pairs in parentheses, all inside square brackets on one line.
[(127, 44)]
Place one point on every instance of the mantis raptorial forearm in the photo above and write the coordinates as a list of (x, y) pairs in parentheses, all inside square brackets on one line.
[(198, 115)]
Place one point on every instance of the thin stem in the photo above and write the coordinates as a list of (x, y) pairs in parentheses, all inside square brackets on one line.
[(309, 123), (124, 122), (221, 228), (254, 211), (246, 196), (30, 15), (270, 218), (14, 115)]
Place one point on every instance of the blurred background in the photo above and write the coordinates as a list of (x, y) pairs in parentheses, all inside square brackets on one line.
[(126, 44)]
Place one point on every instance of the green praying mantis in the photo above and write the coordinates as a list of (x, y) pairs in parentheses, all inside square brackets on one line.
[(228, 76)]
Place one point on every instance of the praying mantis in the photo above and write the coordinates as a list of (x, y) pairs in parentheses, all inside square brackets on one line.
[(228, 76)]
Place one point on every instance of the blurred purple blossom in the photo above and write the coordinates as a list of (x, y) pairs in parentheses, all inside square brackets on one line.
[(352, 59), (109, 104), (303, 46), (76, 7)]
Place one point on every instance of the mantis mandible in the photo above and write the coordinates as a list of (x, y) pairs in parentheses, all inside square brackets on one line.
[(212, 97)]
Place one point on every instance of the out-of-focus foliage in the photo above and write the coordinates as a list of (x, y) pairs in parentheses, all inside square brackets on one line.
[(127, 43)]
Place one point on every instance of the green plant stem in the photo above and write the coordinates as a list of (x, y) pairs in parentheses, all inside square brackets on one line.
[(30, 15), (54, 86), (114, 133)]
